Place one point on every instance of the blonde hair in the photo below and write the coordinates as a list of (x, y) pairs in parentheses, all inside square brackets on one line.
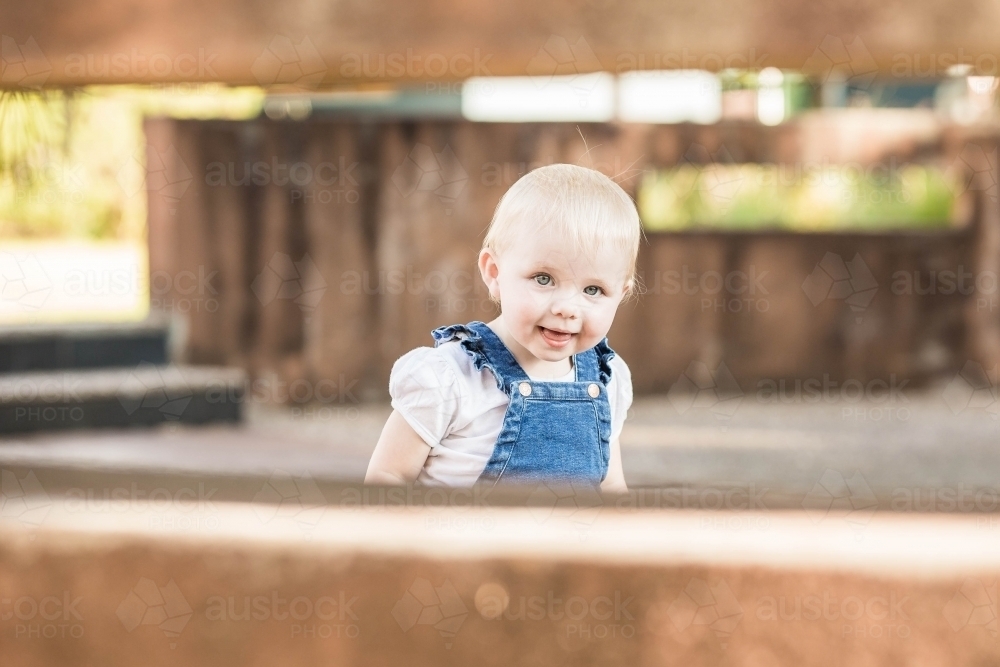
[(586, 207)]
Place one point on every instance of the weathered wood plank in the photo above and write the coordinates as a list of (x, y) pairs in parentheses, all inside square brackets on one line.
[(392, 41)]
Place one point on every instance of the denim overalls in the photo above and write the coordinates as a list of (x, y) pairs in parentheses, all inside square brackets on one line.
[(552, 431)]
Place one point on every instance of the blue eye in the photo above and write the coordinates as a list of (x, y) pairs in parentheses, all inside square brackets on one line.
[(543, 279), (598, 291)]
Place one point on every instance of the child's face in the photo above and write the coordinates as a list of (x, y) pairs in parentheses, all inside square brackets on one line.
[(554, 303)]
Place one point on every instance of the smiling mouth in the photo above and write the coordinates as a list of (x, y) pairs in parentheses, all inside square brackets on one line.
[(554, 337)]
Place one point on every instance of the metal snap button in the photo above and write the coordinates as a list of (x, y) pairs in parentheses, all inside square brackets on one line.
[(594, 390), (525, 389)]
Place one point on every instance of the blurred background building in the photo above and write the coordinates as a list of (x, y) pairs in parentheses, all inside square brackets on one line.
[(735, 172)]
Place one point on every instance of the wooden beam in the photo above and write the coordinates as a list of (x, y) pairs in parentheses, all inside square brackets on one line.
[(319, 45), (192, 580)]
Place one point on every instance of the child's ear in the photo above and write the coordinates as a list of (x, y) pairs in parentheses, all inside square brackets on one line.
[(490, 272)]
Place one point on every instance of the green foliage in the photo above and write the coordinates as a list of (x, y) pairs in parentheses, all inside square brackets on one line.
[(747, 197), (62, 154)]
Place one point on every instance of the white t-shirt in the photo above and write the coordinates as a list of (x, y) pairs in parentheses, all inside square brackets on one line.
[(459, 410)]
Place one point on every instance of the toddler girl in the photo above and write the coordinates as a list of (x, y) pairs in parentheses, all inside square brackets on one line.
[(536, 395)]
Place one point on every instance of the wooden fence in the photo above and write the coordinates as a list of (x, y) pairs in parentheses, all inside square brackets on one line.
[(331, 247)]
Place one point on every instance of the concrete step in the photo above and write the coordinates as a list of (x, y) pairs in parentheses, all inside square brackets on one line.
[(124, 572), (75, 346), (144, 395)]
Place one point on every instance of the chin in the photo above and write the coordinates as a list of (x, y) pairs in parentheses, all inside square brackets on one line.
[(548, 354)]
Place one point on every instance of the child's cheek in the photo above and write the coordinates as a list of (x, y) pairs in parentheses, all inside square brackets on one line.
[(534, 300)]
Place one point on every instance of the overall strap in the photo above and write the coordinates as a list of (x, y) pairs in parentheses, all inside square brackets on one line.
[(486, 350), (594, 365)]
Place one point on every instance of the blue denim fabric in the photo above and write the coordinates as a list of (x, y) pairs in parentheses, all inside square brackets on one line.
[(556, 433)]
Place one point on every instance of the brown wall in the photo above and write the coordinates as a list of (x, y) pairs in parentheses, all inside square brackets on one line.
[(415, 198)]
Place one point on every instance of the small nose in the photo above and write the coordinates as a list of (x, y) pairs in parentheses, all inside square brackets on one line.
[(566, 307)]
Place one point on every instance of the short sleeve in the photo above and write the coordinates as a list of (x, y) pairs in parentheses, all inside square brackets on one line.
[(620, 395), (425, 391)]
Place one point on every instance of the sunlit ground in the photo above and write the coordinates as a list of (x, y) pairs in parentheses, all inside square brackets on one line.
[(782, 448), (72, 217), (67, 280)]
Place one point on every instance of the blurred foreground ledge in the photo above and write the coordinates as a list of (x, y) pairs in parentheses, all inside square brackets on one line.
[(183, 579), (320, 45)]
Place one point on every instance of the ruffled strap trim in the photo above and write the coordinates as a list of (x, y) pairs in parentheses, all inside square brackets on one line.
[(604, 356), (474, 345), (472, 342)]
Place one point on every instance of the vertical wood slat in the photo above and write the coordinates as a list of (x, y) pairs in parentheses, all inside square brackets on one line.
[(279, 280), (339, 335), (982, 313), (179, 231), (161, 228), (226, 214)]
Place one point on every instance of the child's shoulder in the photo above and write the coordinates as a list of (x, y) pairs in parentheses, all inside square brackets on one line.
[(620, 368), (446, 356), (446, 365), (621, 378)]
